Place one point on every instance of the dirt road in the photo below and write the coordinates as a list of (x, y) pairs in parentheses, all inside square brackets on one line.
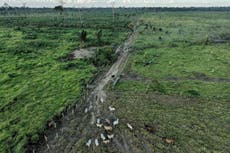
[(78, 126)]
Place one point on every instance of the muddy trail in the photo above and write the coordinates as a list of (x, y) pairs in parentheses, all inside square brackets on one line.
[(89, 126)]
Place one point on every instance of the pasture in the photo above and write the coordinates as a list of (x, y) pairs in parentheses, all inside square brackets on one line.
[(175, 90)]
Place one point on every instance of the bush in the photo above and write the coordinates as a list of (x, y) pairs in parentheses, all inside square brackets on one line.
[(83, 35), (99, 35), (31, 36), (104, 57), (193, 93)]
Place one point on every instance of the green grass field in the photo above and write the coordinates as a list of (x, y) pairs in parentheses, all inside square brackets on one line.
[(35, 84), (185, 58), (177, 83)]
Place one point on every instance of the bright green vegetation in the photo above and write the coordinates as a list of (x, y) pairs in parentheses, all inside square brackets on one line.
[(35, 83), (178, 82), (213, 60)]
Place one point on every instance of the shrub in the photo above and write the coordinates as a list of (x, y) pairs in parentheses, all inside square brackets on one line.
[(99, 35), (193, 93), (83, 35), (104, 57), (32, 35)]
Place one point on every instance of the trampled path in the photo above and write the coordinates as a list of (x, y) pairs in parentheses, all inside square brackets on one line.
[(79, 124)]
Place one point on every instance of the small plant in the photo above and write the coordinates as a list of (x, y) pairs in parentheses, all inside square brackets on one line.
[(99, 35), (193, 93)]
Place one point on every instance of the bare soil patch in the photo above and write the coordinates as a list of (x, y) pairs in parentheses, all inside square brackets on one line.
[(83, 53)]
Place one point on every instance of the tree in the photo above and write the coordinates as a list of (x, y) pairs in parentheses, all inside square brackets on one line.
[(24, 8), (24, 5), (59, 8), (6, 7), (79, 2), (113, 3), (113, 10)]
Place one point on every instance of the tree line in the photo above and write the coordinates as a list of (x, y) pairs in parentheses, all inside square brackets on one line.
[(11, 9)]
